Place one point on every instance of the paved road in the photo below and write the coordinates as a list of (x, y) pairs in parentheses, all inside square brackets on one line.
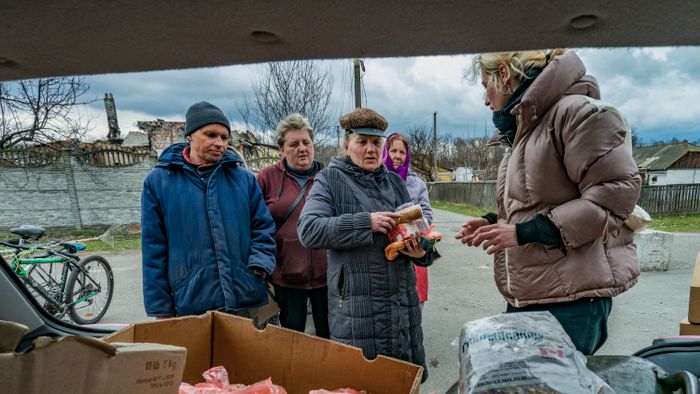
[(462, 289)]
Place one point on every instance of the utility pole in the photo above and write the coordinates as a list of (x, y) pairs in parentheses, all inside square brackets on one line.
[(337, 133), (358, 89), (435, 143)]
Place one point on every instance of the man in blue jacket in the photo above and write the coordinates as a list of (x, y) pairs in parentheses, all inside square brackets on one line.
[(207, 236)]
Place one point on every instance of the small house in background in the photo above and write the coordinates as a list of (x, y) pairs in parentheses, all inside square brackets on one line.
[(464, 174), (670, 164), (444, 175)]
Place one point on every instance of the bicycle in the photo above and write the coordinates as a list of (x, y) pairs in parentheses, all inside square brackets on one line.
[(81, 289)]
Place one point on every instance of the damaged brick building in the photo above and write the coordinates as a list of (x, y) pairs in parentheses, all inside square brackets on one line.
[(76, 184)]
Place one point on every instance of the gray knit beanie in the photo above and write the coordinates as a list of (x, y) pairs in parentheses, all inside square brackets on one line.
[(202, 114)]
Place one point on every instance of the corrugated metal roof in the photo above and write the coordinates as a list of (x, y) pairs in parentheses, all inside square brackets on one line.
[(660, 157)]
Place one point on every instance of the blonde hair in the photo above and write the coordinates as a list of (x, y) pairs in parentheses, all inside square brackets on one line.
[(292, 121), (518, 63)]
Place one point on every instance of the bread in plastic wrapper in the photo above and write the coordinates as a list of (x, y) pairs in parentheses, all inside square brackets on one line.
[(638, 219), (408, 213), (527, 352)]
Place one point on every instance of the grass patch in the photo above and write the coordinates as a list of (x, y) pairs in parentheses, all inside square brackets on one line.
[(112, 239), (119, 245), (673, 224), (463, 209), (676, 223)]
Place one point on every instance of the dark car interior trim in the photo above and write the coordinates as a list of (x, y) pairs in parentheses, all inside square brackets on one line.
[(78, 37)]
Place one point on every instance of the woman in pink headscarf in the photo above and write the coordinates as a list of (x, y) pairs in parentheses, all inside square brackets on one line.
[(397, 158)]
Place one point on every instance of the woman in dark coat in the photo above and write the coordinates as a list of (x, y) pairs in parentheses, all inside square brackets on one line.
[(372, 302)]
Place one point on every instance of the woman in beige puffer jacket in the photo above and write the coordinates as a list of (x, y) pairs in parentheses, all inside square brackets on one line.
[(564, 191)]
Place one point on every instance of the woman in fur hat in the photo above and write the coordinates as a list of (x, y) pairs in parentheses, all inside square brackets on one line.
[(372, 302)]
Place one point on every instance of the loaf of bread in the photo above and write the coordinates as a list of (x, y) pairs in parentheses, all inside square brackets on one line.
[(414, 212)]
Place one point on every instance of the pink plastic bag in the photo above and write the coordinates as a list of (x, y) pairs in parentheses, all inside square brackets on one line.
[(216, 382)]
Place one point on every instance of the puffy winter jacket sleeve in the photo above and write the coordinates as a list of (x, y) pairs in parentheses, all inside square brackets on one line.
[(262, 231), (597, 159), (157, 295), (320, 227)]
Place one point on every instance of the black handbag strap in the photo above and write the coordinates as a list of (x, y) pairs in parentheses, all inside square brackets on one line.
[(294, 204)]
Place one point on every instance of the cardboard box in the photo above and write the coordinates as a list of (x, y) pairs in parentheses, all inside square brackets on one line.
[(296, 361), (688, 328), (76, 364), (694, 299)]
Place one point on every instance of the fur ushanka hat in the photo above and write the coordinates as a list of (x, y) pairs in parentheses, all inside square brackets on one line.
[(364, 121)]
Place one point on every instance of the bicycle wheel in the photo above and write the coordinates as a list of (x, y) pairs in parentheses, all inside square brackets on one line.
[(89, 290)]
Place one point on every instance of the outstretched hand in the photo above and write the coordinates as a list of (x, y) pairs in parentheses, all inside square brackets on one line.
[(469, 227), (492, 237)]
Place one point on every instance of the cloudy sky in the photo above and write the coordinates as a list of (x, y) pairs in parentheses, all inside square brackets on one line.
[(657, 89)]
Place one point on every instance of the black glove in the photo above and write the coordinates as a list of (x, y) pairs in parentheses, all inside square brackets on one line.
[(540, 229)]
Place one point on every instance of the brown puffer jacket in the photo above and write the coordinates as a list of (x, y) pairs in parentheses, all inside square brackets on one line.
[(569, 162)]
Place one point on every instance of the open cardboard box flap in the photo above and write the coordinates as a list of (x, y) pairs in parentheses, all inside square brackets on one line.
[(296, 361), (11, 334), (694, 298), (77, 364)]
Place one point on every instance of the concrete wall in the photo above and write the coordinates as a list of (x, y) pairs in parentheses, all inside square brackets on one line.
[(663, 251), (69, 193)]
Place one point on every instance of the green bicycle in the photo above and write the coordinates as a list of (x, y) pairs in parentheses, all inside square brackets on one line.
[(67, 285)]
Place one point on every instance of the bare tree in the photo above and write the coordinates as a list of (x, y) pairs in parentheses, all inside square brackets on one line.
[(283, 88), (420, 143), (477, 153), (637, 141), (325, 151), (38, 111), (420, 140)]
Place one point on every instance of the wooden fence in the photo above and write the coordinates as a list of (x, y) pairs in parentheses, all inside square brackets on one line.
[(113, 156), (100, 156), (479, 194), (28, 158), (657, 199), (671, 199)]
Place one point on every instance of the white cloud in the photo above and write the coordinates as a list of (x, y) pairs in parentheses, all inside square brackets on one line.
[(660, 53), (656, 88), (668, 104)]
